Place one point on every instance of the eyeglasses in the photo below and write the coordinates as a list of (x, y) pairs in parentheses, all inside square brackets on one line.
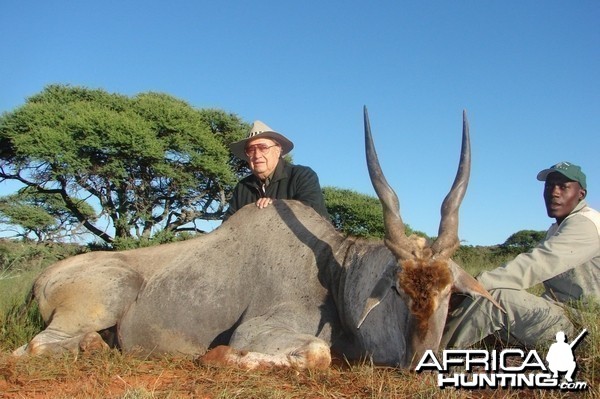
[(261, 148)]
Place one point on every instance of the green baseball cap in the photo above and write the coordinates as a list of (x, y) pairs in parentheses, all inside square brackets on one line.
[(567, 169)]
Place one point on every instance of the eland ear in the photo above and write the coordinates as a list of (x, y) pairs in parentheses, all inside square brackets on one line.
[(466, 284), (380, 291)]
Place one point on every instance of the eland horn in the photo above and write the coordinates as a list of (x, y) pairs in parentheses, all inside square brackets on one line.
[(395, 236), (447, 242)]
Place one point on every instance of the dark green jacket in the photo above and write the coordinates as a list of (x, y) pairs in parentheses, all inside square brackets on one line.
[(288, 182)]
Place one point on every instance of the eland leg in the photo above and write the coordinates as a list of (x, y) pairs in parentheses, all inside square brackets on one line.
[(262, 343), (77, 303)]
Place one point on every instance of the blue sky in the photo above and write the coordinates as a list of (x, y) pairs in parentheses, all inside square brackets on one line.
[(527, 72)]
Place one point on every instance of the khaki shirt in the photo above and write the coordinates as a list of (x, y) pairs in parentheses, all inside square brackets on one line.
[(567, 262)]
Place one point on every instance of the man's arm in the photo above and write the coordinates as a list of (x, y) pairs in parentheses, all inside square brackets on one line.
[(308, 190), (575, 242)]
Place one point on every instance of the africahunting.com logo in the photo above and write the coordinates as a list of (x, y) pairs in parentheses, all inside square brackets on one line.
[(508, 368)]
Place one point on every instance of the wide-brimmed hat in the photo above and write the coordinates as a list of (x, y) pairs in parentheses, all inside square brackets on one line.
[(567, 169), (261, 130)]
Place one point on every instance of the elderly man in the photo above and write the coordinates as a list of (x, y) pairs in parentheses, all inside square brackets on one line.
[(272, 177), (567, 262)]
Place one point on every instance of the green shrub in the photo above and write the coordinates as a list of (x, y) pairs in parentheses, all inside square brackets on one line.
[(19, 324), (475, 259), (20, 263)]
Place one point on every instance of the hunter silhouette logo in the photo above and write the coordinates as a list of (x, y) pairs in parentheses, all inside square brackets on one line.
[(508, 368), (560, 355)]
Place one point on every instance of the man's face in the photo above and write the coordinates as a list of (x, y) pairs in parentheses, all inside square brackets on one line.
[(263, 163), (561, 195)]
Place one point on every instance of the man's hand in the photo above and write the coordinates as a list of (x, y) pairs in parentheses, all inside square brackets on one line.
[(263, 202)]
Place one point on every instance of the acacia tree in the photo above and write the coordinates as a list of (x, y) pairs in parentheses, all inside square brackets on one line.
[(150, 162), (43, 217)]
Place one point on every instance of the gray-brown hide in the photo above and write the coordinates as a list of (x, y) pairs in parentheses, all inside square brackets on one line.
[(270, 287)]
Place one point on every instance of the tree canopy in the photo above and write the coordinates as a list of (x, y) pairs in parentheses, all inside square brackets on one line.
[(523, 240), (357, 214), (42, 216), (147, 162)]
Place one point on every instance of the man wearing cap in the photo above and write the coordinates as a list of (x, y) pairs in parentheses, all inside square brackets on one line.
[(272, 177), (567, 262)]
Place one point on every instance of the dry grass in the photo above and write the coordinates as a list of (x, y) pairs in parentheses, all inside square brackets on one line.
[(111, 374)]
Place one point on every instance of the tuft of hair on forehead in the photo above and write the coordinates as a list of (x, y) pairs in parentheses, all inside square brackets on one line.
[(423, 281), (421, 247)]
